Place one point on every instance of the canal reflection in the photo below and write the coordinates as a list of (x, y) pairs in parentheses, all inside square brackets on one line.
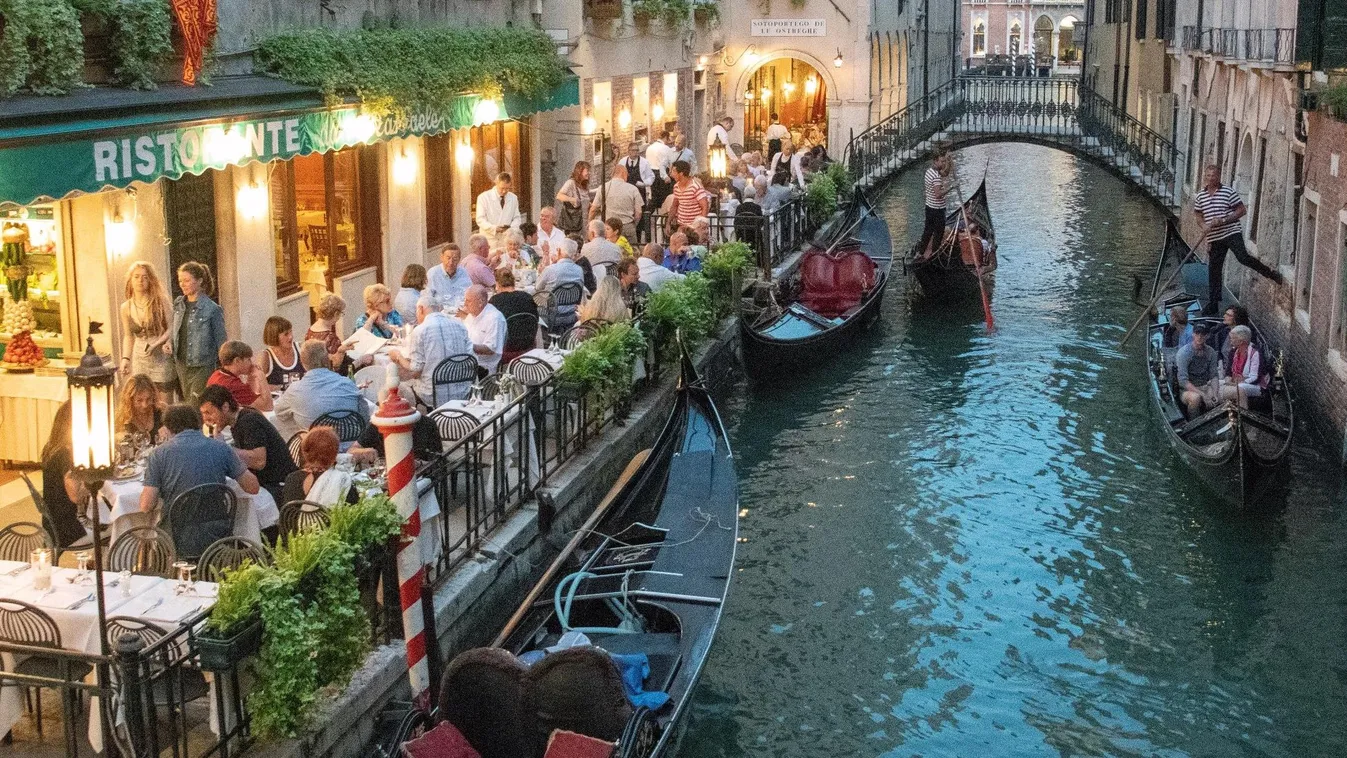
[(961, 542)]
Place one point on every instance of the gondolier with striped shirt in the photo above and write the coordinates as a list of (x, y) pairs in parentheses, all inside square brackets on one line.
[(935, 182), (1219, 209)]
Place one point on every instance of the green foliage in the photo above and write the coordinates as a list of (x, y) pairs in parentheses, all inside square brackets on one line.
[(42, 47), (706, 11), (728, 259), (239, 599), (366, 525), (414, 69), (1335, 100), (603, 363), (820, 196), (646, 9), (141, 41), (675, 12), (287, 667), (837, 171), (684, 305)]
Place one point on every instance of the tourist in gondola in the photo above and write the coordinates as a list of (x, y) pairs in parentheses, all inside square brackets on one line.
[(1178, 332), (935, 183), (1199, 371), (1219, 334), (1244, 372), (1219, 209)]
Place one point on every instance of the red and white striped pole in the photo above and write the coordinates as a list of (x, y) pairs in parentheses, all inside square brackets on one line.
[(395, 419)]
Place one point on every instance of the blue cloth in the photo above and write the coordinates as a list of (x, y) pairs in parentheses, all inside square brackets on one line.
[(320, 392), (393, 318), (199, 343), (684, 264), (190, 459), (635, 667)]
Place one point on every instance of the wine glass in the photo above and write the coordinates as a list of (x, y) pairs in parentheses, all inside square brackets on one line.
[(82, 566), (184, 571)]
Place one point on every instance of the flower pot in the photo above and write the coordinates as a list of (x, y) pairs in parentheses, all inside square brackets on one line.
[(224, 653)]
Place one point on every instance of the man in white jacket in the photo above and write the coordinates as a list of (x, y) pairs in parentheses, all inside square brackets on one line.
[(721, 130), (498, 211)]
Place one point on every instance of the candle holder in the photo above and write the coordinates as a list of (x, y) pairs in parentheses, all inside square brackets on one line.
[(40, 560)]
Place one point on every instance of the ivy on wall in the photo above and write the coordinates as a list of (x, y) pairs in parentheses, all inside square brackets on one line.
[(42, 45), (414, 69)]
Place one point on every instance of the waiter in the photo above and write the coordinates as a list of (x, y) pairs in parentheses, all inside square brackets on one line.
[(498, 211), (660, 155), (720, 130), (640, 176), (1219, 209)]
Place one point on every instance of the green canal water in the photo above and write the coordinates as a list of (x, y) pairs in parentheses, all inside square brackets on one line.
[(968, 544)]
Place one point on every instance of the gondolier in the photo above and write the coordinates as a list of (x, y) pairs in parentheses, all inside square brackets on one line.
[(937, 176), (1219, 209)]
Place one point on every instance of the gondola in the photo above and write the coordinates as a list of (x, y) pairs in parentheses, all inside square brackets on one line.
[(836, 292), (951, 270), (1237, 453), (647, 575)]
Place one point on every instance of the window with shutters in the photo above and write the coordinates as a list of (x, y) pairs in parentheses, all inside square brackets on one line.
[(439, 190), (1139, 26)]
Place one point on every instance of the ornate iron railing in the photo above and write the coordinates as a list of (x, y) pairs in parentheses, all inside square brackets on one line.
[(773, 236), (1055, 111)]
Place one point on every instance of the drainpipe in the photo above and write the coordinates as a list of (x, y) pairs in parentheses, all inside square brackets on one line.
[(1128, 38), (925, 48)]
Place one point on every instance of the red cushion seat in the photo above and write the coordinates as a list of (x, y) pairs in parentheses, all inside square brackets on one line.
[(835, 283)]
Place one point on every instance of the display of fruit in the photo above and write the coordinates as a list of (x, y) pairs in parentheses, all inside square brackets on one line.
[(22, 350), (13, 256), (18, 317)]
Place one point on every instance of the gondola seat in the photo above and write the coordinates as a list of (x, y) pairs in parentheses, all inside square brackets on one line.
[(834, 284), (578, 689)]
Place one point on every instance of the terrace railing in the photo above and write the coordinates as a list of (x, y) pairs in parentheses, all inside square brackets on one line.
[(773, 236)]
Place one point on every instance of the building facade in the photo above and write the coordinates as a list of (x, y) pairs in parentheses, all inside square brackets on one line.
[(1049, 33), (1127, 60)]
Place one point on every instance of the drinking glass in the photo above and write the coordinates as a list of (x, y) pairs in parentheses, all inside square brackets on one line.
[(82, 566), (183, 570)]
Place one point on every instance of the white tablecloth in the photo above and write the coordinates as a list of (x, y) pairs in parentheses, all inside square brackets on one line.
[(28, 403), (550, 358), (488, 412), (79, 624), (255, 512)]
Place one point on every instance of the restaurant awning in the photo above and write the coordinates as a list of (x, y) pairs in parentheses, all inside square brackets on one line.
[(101, 138)]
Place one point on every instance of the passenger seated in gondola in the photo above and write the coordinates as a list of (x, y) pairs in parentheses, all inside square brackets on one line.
[(975, 237), (1178, 332), (1199, 373), (1219, 336), (1244, 370)]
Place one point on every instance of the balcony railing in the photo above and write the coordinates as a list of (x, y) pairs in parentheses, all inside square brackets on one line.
[(1269, 45)]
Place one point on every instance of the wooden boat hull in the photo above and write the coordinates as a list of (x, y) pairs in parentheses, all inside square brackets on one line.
[(798, 337), (944, 274), (1238, 454)]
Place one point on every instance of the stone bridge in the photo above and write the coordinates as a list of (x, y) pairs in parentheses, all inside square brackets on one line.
[(1060, 113)]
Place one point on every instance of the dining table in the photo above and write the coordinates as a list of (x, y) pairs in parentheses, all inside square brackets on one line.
[(72, 605), (119, 505)]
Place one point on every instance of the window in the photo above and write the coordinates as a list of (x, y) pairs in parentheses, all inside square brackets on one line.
[(980, 38), (1305, 262), (1140, 26), (502, 146), (1220, 148), (1257, 190), (439, 190), (324, 218), (1193, 152), (1297, 192)]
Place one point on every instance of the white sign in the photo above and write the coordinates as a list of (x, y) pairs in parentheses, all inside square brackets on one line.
[(790, 27)]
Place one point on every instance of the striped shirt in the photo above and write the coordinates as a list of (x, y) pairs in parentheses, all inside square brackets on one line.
[(689, 198), (935, 188), (1214, 205)]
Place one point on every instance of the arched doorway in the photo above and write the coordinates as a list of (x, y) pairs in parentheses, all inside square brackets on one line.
[(1067, 52), (795, 91), (1042, 49)]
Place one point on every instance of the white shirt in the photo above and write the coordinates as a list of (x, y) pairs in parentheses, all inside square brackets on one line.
[(487, 329), (654, 275), (554, 240), (778, 131), (719, 131), (437, 338), (644, 174), (494, 211), (796, 172), (685, 154), (659, 155), (448, 290)]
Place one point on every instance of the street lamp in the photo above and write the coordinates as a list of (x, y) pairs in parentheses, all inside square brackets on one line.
[(837, 62), (91, 447), (718, 160)]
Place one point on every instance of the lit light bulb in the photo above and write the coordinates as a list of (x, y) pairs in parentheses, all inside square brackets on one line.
[(252, 201), (589, 125), (750, 57), (463, 155), (358, 128), (766, 94), (657, 112), (788, 88), (225, 146), (624, 118), (120, 235), (810, 86), (404, 168), (485, 112)]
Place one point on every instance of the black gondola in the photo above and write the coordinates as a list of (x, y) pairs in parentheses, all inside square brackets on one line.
[(646, 575), (951, 270), (1238, 453), (836, 291)]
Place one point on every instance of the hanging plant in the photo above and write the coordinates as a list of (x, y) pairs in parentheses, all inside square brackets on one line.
[(676, 12), (645, 11), (41, 48), (706, 11), (403, 70), (140, 37)]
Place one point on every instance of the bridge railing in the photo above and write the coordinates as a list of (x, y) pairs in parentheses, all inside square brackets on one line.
[(1151, 155), (874, 153)]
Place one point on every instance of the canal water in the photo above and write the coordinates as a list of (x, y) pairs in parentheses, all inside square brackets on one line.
[(959, 543)]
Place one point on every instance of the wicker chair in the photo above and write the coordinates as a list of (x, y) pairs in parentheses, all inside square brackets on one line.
[(456, 369), (144, 550), (302, 516), (567, 295), (228, 554), (24, 624), (200, 516), (20, 539), (348, 425)]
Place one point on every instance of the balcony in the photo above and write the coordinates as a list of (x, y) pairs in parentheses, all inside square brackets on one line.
[(1273, 46)]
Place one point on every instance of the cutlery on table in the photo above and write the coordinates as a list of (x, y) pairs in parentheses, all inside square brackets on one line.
[(82, 601), (152, 606), (16, 571)]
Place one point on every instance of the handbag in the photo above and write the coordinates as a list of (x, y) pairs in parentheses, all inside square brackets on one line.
[(569, 218)]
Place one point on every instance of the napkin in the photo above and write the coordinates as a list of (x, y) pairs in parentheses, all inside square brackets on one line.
[(174, 609)]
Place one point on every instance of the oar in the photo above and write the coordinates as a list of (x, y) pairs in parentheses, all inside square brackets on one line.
[(580, 534), (1160, 292), (977, 258)]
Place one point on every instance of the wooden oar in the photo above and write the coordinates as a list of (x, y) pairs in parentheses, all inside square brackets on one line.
[(977, 257), (593, 520), (1160, 292)]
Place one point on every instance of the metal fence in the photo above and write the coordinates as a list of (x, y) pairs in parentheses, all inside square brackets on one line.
[(773, 236), (1276, 45)]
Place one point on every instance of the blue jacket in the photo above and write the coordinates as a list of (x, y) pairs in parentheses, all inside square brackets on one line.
[(205, 332)]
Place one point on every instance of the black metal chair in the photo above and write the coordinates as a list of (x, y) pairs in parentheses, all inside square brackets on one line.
[(168, 682), (568, 296), (20, 539), (581, 332), (144, 550), (302, 516), (454, 425), (521, 333), (531, 371), (229, 554), (48, 523), (489, 387), (348, 425), (296, 447), (25, 624), (200, 516), (456, 369)]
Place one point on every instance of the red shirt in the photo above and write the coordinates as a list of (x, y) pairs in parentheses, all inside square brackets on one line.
[(243, 394), (689, 198)]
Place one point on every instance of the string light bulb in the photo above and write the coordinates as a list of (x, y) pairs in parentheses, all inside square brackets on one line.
[(404, 168)]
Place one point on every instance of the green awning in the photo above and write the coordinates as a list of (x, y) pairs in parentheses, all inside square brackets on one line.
[(91, 153)]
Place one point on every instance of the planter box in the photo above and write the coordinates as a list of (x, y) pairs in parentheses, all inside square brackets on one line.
[(222, 654), (603, 10)]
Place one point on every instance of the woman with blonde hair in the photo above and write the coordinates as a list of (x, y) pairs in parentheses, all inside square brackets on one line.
[(138, 411), (380, 318), (146, 315), (324, 328), (606, 304)]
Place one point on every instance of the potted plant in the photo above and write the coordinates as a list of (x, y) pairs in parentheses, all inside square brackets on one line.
[(706, 11), (234, 630), (645, 11)]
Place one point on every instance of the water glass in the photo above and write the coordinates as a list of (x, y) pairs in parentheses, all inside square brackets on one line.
[(82, 566), (184, 571), (124, 582)]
